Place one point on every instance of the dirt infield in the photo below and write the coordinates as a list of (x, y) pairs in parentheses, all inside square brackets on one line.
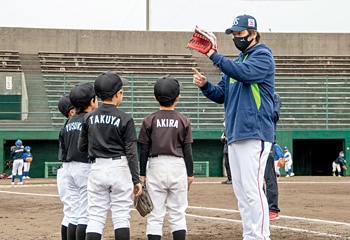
[(311, 208)]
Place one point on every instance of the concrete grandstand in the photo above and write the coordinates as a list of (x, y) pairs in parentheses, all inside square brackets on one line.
[(313, 82)]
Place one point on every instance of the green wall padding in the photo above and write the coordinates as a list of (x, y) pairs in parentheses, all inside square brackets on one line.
[(209, 150), (10, 103)]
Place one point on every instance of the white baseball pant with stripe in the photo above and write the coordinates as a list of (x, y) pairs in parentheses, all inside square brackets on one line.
[(17, 167), (110, 186), (166, 181), (248, 162)]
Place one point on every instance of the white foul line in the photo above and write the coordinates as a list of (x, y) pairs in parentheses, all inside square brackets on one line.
[(288, 217), (283, 182), (32, 194), (204, 208), (27, 186), (272, 226)]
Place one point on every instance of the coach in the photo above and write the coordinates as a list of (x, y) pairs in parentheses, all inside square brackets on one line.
[(246, 88)]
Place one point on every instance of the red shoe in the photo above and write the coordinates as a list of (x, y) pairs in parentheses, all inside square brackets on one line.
[(273, 216)]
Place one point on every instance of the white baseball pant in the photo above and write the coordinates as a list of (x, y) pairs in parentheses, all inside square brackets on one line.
[(167, 182), (277, 168), (77, 175), (17, 167), (62, 186), (248, 160), (336, 167), (26, 166), (288, 165), (109, 186)]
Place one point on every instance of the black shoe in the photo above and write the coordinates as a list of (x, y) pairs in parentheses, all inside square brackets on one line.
[(227, 182)]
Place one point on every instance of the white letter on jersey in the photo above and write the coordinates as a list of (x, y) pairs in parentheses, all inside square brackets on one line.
[(158, 123), (97, 120), (176, 125), (102, 118), (117, 122), (113, 118)]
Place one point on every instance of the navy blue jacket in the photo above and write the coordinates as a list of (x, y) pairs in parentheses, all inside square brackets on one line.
[(17, 153), (337, 161), (246, 88)]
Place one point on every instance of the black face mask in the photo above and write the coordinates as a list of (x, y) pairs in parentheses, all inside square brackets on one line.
[(242, 42)]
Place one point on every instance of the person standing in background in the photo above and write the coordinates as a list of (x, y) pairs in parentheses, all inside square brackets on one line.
[(226, 161), (27, 160)]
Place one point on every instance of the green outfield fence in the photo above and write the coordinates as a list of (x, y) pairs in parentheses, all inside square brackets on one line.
[(51, 169), (201, 169)]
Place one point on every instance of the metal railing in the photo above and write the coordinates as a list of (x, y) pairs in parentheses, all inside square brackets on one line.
[(319, 102)]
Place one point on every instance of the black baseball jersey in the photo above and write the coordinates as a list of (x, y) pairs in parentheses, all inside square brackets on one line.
[(69, 137), (166, 131), (61, 157), (18, 153), (107, 129)]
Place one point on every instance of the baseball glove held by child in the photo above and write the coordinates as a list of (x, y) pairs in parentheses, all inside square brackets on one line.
[(29, 159), (203, 41), (281, 162), (143, 203)]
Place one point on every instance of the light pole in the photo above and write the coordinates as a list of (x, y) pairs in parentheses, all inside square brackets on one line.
[(147, 15)]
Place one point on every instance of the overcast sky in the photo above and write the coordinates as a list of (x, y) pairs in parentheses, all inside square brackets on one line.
[(177, 15)]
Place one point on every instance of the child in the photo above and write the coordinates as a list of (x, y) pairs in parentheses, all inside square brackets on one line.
[(288, 162), (26, 164), (17, 166), (166, 138), (83, 98), (278, 155), (109, 136), (339, 161), (67, 110)]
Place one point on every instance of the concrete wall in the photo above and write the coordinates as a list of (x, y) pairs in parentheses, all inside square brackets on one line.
[(16, 84), (31, 41)]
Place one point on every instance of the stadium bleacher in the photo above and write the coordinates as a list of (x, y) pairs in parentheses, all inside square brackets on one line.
[(311, 65), (10, 61), (314, 89), (133, 63), (138, 99)]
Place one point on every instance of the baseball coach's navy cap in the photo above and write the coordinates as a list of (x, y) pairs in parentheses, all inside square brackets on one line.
[(64, 105), (82, 92), (241, 23), (167, 88), (108, 84)]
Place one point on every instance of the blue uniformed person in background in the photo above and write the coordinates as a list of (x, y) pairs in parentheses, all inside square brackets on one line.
[(27, 160), (278, 155), (336, 164), (17, 155), (288, 163)]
